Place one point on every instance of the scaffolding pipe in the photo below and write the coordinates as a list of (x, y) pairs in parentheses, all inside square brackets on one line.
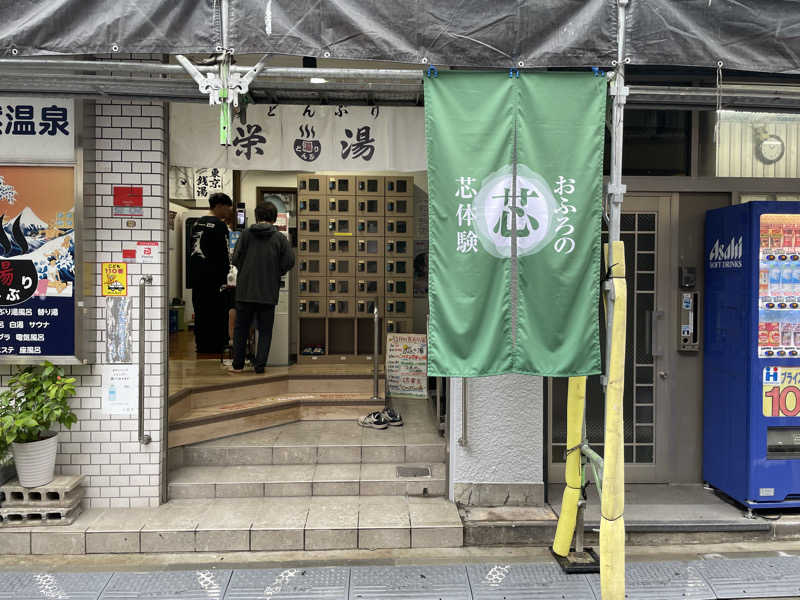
[(612, 501), (26, 64)]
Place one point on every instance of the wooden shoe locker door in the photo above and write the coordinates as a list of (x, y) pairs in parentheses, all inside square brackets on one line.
[(346, 242)]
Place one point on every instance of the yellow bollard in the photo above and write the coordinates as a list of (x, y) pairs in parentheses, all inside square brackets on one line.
[(612, 505), (576, 399)]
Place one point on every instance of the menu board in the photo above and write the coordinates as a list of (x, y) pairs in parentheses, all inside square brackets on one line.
[(779, 286), (37, 263), (407, 365)]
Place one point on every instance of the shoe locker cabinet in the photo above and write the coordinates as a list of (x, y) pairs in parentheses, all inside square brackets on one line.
[(355, 238)]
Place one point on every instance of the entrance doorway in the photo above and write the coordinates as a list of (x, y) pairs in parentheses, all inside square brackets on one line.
[(645, 227)]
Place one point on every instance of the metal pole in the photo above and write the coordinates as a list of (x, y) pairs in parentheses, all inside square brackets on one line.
[(462, 441), (224, 11), (375, 351), (143, 282), (616, 190)]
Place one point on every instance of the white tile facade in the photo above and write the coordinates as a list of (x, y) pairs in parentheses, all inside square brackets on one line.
[(124, 143)]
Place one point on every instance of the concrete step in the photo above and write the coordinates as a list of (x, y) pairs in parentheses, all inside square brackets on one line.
[(257, 524), (318, 442), (256, 481)]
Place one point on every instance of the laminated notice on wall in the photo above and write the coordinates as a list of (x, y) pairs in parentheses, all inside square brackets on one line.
[(407, 365), (120, 389)]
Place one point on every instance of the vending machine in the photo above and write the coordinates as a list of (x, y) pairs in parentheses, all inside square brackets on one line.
[(751, 360)]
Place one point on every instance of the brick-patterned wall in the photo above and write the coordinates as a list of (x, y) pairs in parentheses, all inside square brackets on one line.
[(124, 143)]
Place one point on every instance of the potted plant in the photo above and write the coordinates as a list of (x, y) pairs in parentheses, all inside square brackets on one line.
[(36, 397)]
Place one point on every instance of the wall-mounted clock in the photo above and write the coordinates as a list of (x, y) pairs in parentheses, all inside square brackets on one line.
[(769, 149)]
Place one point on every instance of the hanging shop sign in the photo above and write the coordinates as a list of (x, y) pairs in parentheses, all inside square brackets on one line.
[(115, 279), (128, 202), (407, 365), (37, 263), (515, 176), (211, 181), (37, 130), (302, 138)]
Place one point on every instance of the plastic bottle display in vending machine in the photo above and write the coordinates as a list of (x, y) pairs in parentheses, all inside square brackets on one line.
[(775, 236), (764, 234), (788, 237), (763, 279), (775, 280), (787, 281), (787, 331)]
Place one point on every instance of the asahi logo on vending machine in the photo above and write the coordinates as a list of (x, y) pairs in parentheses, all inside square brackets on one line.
[(726, 255)]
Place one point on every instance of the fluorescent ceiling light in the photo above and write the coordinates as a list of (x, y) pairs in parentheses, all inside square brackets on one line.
[(318, 80)]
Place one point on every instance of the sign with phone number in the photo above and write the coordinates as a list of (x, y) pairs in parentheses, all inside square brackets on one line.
[(781, 391)]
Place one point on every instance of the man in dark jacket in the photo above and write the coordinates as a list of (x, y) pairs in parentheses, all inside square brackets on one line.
[(262, 256), (207, 273)]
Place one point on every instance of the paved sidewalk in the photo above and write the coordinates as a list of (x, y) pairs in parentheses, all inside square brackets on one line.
[(710, 577)]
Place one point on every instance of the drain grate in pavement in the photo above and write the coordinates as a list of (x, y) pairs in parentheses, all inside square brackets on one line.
[(665, 581), (407, 583), (290, 584), (49, 586), (171, 585), (536, 581), (772, 577), (413, 471)]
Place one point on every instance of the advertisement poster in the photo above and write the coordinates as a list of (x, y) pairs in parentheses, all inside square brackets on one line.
[(115, 279), (120, 389), (37, 261), (407, 365), (779, 286)]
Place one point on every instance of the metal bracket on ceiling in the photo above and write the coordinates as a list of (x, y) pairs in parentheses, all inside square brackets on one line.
[(226, 84)]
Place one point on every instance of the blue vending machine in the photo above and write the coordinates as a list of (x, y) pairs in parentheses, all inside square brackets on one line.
[(751, 358)]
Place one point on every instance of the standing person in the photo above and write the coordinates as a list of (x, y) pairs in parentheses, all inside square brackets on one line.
[(262, 256), (208, 271)]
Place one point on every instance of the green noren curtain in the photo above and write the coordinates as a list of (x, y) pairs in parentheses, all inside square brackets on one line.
[(515, 192)]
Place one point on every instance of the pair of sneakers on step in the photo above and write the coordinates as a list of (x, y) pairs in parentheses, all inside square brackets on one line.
[(381, 419)]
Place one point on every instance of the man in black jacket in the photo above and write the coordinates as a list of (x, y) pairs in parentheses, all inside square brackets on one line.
[(207, 273), (262, 256)]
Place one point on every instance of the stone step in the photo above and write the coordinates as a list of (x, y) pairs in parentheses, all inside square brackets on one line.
[(256, 481), (192, 422), (245, 524), (308, 443)]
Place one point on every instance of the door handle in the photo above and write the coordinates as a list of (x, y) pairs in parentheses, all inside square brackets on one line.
[(663, 374)]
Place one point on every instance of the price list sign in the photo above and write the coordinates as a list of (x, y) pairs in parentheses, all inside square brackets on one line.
[(407, 365), (37, 263)]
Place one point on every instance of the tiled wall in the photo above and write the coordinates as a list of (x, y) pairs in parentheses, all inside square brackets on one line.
[(124, 144)]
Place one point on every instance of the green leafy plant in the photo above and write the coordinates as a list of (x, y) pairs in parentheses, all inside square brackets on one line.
[(36, 397)]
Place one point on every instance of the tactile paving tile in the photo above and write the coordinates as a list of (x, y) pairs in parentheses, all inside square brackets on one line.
[(52, 586), (770, 577), (324, 583), (407, 582), (168, 585), (664, 580), (529, 581)]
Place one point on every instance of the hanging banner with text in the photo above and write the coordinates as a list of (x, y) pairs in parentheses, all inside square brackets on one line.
[(301, 138), (539, 207)]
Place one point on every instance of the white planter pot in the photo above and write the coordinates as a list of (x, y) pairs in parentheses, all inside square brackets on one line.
[(36, 461)]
